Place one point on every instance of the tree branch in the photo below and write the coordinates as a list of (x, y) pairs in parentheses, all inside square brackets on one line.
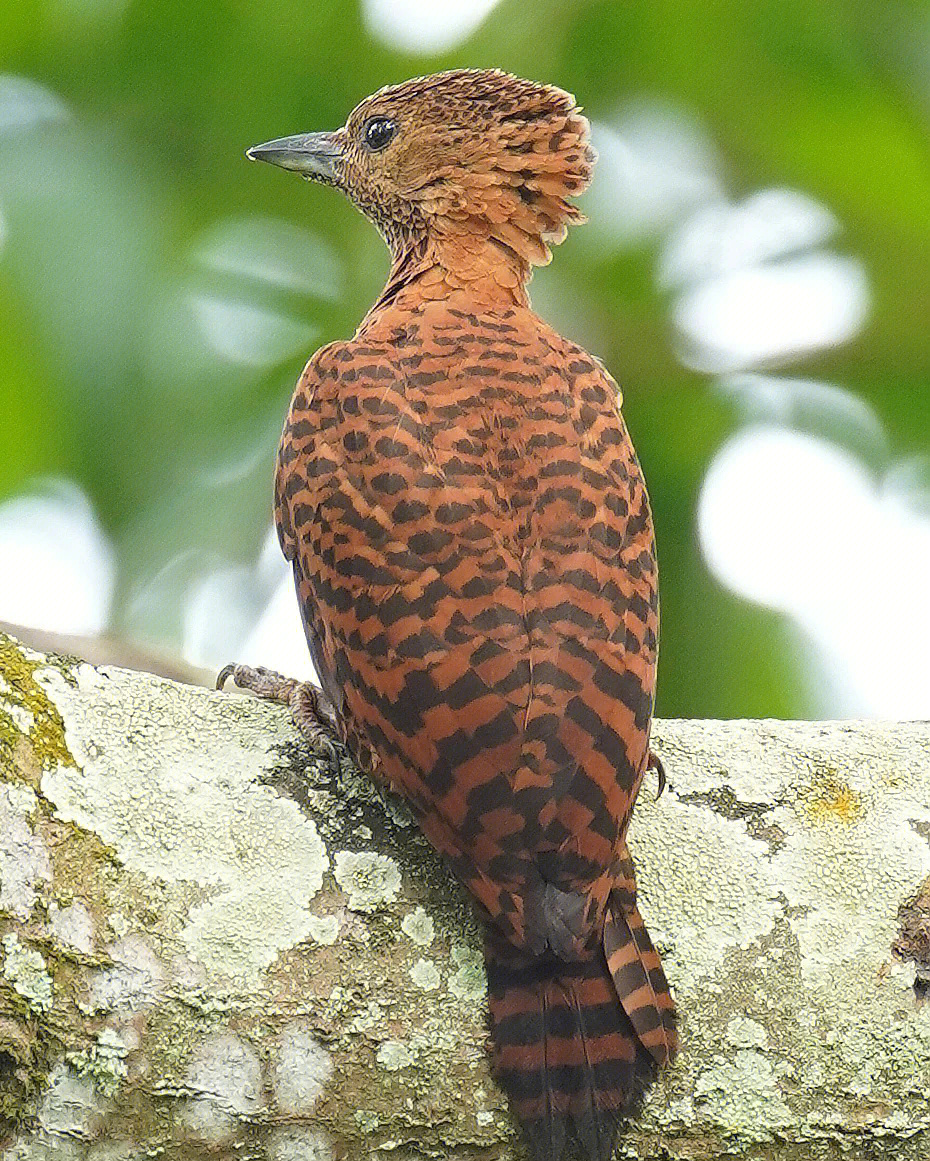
[(213, 947)]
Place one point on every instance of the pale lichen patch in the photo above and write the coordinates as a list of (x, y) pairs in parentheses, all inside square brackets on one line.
[(221, 933), (31, 654), (368, 1017), (418, 927), (225, 1079), (742, 1032), (324, 929), (25, 968), (73, 927), (841, 870), (22, 718), (104, 1062), (24, 862), (469, 983), (834, 1018), (854, 1038), (22, 798), (136, 979), (180, 813), (741, 1094), (370, 880), (71, 1106), (397, 810), (299, 1143), (118, 924), (203, 1120), (710, 893), (699, 757), (425, 975), (394, 1055), (300, 1070), (367, 1120)]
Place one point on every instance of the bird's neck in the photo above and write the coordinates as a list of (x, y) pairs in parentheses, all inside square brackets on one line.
[(454, 259)]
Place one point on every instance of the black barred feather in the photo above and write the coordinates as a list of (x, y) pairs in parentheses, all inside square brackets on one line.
[(565, 1051)]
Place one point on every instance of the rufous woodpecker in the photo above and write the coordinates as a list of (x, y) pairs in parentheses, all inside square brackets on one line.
[(473, 551)]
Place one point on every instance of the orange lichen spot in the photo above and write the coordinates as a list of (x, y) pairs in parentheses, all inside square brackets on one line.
[(830, 799)]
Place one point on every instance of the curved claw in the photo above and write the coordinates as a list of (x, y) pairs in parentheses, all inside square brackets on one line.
[(309, 707), (329, 749), (325, 750), (654, 762), (264, 683)]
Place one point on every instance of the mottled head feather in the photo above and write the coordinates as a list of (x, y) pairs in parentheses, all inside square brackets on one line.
[(477, 154)]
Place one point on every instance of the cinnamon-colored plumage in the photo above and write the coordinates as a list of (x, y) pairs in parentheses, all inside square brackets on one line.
[(473, 551)]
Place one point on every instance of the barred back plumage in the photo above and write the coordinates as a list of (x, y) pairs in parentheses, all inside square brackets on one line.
[(473, 551)]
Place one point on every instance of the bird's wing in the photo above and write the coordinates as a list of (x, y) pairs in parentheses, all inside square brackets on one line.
[(592, 593), (284, 482), (413, 608), (471, 580)]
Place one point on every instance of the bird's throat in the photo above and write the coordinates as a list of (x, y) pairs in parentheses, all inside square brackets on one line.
[(443, 262)]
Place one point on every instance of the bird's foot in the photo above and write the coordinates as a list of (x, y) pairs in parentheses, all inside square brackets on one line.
[(310, 708)]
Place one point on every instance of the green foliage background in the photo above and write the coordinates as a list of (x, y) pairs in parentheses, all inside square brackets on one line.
[(105, 210)]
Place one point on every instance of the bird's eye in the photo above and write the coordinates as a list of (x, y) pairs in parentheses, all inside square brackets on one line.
[(379, 132)]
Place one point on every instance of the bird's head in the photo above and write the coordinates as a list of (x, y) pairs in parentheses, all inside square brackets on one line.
[(470, 154)]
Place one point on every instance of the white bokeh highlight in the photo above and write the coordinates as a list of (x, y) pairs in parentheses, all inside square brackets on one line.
[(794, 505), (722, 238), (25, 103), (244, 332), (277, 640), (247, 614), (654, 165), (767, 313), (777, 516), (248, 300), (219, 607), (754, 286), (801, 510), (809, 405), (796, 523), (58, 569), (423, 26), (274, 252)]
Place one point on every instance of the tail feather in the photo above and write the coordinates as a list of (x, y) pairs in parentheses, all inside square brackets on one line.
[(575, 1043), (639, 980), (553, 1126), (565, 1050), (594, 1129)]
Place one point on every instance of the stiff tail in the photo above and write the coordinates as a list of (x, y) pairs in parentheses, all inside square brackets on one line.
[(576, 1043), (639, 981)]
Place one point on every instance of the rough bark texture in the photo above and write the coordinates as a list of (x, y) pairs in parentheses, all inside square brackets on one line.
[(213, 949)]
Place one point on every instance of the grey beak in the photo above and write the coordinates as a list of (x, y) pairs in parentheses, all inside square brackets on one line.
[(312, 154)]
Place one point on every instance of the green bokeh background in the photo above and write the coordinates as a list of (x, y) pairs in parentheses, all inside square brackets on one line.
[(104, 212)]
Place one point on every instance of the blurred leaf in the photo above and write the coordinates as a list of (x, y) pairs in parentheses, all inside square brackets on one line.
[(158, 294), (33, 441)]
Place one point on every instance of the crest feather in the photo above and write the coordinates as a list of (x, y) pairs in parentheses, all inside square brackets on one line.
[(514, 153)]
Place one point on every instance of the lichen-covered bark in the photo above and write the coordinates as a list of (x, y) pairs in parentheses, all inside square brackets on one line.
[(210, 947)]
